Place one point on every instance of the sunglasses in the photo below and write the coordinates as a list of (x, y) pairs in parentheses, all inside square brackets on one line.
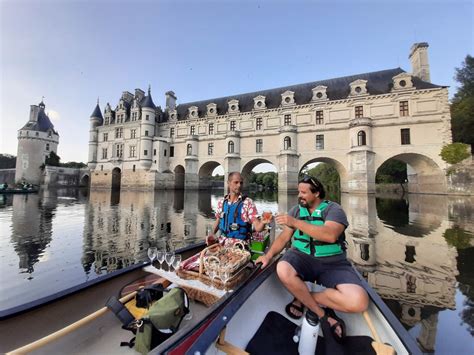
[(309, 180)]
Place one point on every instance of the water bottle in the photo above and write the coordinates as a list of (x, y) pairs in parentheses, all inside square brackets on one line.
[(296, 336), (309, 334)]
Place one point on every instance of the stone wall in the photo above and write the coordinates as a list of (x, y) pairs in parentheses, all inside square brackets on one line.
[(461, 181), (56, 176), (7, 175)]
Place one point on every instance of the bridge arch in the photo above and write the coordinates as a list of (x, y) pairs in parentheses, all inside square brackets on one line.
[(84, 181), (179, 177), (424, 174), (340, 168), (205, 174), (250, 165), (116, 178)]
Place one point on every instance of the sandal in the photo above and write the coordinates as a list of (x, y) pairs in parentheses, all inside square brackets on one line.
[(329, 313), (294, 306)]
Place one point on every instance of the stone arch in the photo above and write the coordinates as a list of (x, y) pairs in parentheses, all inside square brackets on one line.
[(179, 177), (340, 168), (116, 178), (205, 173), (424, 174), (85, 181), (248, 167)]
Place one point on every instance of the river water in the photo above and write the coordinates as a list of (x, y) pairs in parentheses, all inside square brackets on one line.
[(417, 252)]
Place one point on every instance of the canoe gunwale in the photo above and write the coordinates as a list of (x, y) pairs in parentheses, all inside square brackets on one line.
[(397, 327), (17, 310), (227, 312), (212, 331), (234, 300)]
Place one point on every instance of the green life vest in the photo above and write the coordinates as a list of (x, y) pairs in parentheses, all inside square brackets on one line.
[(311, 246)]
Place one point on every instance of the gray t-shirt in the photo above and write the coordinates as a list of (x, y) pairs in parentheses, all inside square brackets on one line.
[(333, 212)]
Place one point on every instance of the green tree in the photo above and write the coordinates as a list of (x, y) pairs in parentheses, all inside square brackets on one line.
[(462, 108), (328, 176), (53, 159), (73, 164), (391, 172), (455, 153), (7, 161)]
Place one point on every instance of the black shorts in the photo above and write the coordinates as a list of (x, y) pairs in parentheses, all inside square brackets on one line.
[(328, 271)]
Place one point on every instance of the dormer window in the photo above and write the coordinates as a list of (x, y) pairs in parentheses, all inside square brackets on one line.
[(173, 115), (287, 98), (233, 106), (319, 93), (211, 109), (358, 87), (259, 102), (193, 112), (402, 81)]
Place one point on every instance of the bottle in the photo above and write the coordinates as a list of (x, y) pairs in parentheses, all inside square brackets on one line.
[(296, 336), (309, 334)]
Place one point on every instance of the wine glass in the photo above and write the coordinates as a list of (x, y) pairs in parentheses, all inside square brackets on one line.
[(169, 257), (225, 276), (160, 257), (211, 272), (176, 262), (152, 254)]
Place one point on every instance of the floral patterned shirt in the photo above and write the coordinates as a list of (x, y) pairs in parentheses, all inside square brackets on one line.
[(249, 210)]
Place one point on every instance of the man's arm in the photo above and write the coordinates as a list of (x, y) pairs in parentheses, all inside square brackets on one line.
[(329, 232), (277, 246)]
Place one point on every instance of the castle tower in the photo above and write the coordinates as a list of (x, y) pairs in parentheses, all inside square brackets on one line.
[(36, 140), (419, 61), (147, 131), (96, 119)]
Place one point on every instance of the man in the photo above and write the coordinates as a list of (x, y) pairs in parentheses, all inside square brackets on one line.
[(316, 229), (236, 215)]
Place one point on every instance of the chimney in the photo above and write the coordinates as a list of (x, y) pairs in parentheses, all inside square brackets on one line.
[(419, 61), (34, 111), (170, 100), (139, 94)]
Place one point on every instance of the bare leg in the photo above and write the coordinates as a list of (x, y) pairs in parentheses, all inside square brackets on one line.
[(348, 298), (345, 298), (297, 287)]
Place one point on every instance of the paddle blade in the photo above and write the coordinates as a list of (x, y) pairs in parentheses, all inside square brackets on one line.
[(383, 349)]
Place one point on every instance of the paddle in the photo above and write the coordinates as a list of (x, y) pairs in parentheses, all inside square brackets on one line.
[(76, 325), (379, 347)]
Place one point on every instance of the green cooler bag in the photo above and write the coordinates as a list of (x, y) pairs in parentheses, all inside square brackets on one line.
[(162, 320)]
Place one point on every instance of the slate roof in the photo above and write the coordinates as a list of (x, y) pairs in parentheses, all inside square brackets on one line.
[(148, 101), (379, 82), (43, 124), (97, 114)]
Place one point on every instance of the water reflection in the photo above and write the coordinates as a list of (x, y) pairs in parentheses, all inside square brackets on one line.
[(403, 249), (417, 252)]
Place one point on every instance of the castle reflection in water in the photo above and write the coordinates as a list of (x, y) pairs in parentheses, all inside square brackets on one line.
[(412, 252)]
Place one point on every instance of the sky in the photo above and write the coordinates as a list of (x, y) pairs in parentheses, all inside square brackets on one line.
[(73, 52)]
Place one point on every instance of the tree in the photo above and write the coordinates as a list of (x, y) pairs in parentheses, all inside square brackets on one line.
[(462, 108), (328, 176), (455, 153), (391, 172), (53, 159), (7, 161)]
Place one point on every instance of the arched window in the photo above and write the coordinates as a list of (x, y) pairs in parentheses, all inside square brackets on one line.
[(230, 147), (287, 143), (361, 140), (189, 149)]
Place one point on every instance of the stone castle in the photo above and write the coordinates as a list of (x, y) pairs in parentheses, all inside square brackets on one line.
[(354, 123), (36, 140)]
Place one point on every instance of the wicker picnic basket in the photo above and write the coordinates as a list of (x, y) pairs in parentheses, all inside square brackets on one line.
[(216, 257)]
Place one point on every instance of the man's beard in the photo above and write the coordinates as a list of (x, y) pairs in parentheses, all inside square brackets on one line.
[(302, 203)]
